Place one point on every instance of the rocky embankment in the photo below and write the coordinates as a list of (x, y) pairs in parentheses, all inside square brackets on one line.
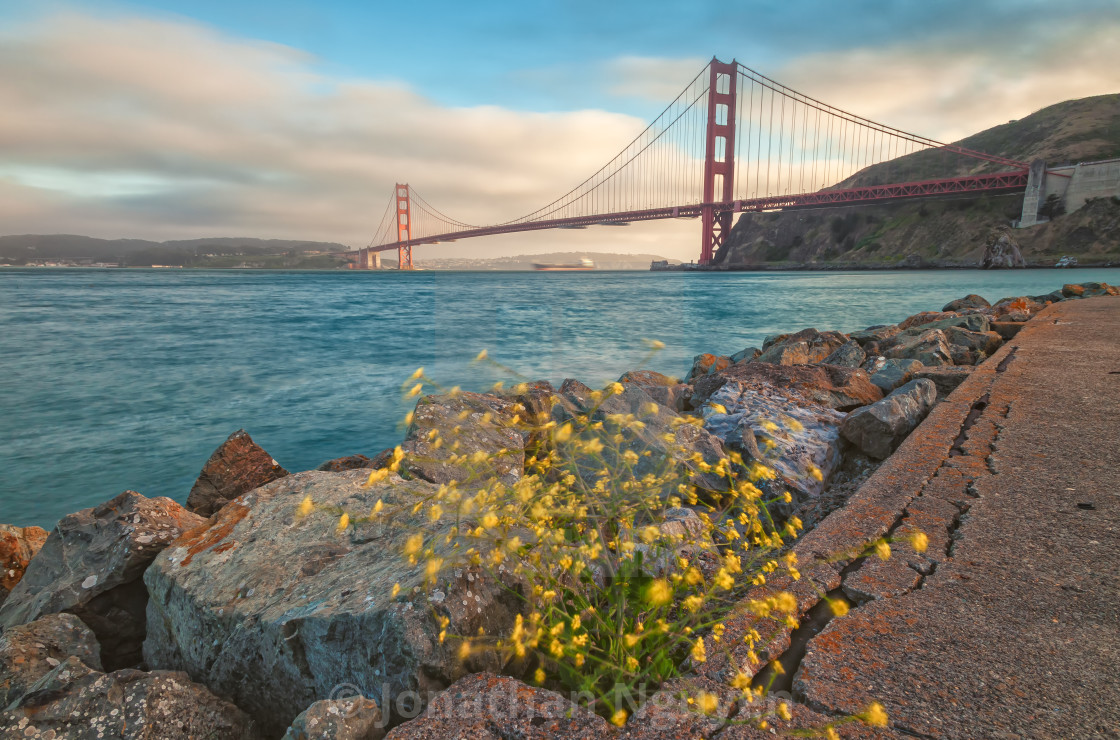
[(231, 618)]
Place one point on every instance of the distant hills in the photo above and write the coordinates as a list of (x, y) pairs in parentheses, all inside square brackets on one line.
[(23, 248), (949, 232)]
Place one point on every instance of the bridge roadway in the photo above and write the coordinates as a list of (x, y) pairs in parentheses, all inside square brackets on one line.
[(998, 182), (1016, 633)]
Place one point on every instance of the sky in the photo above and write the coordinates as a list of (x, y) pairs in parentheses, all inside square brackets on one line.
[(173, 119)]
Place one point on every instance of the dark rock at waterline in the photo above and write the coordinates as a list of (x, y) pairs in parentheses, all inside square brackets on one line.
[(273, 610), (969, 301), (351, 718), (877, 335), (76, 702), (668, 392), (484, 706), (1001, 252), (17, 546), (706, 364), (30, 651), (237, 466), (479, 426), (91, 565), (828, 385), (879, 429), (747, 354)]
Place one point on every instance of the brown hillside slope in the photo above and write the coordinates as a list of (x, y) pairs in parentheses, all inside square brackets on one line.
[(949, 232)]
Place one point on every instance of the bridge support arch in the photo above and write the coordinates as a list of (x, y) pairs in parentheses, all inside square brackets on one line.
[(719, 157)]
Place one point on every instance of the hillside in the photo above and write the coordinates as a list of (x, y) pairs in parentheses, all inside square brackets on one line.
[(949, 232), (19, 249)]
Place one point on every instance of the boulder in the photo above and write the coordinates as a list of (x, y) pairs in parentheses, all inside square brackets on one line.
[(748, 354), (76, 702), (875, 334), (849, 354), (969, 347), (30, 651), (1072, 290), (894, 373), (666, 391), (969, 301), (17, 546), (827, 385), (275, 609), (484, 706), (780, 431), (1000, 251), (704, 364), (351, 718), (1006, 329), (925, 317), (575, 399), (929, 348), (237, 466), (946, 377), (351, 462), (877, 430), (972, 322), (448, 429), (802, 348), (91, 565), (1090, 290), (1019, 308)]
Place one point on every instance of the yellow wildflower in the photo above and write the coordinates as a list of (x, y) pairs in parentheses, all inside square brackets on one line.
[(698, 653), (376, 477), (435, 512), (875, 715), (343, 522), (919, 541), (618, 719), (883, 550), (839, 607), (413, 544), (783, 711), (707, 702), (305, 507), (719, 408), (538, 676), (563, 433), (396, 590), (416, 390), (464, 650), (432, 568), (481, 356), (815, 473), (377, 507)]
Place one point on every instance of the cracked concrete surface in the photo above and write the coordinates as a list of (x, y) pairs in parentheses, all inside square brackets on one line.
[(1015, 631)]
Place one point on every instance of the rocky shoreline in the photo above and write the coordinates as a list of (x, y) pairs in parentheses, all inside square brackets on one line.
[(141, 618)]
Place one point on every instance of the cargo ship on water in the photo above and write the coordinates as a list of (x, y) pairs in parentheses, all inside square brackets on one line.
[(583, 264)]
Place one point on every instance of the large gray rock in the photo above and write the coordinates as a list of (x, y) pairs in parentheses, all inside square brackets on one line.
[(801, 348), (969, 301), (849, 354), (91, 565), (76, 702), (837, 387), (485, 706), (895, 372), (30, 651), (575, 401), (351, 718), (275, 610), (969, 347), (448, 429), (238, 465), (879, 429), (781, 431), (930, 348)]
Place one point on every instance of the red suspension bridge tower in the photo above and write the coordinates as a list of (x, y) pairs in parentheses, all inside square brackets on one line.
[(719, 158), (404, 227)]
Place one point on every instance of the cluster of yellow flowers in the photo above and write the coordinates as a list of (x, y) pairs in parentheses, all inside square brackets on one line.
[(621, 595)]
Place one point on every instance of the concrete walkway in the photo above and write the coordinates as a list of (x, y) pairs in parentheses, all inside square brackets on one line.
[(1015, 632)]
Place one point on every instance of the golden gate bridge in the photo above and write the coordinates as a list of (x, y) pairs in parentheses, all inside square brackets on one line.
[(733, 141)]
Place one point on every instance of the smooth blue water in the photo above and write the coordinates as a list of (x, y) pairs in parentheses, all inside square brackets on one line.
[(115, 379)]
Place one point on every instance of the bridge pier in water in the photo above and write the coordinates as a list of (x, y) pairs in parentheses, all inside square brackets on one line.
[(719, 157)]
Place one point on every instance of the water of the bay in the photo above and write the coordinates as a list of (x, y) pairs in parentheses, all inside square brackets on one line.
[(118, 379)]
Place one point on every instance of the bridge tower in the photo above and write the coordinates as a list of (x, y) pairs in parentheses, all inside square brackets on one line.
[(404, 227), (719, 158)]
